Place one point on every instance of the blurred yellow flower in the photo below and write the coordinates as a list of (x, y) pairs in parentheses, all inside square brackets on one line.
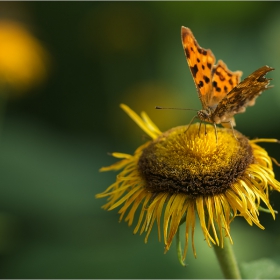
[(23, 61)]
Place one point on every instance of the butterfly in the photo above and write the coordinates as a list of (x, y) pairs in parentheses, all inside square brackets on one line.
[(220, 91)]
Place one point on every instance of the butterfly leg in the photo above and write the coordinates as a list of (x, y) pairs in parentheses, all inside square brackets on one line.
[(233, 130), (191, 122), (216, 134), (205, 131), (198, 133)]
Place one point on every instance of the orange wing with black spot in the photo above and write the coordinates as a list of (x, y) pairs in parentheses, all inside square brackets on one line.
[(223, 81), (213, 82)]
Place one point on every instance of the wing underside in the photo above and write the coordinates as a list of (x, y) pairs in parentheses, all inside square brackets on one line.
[(243, 95)]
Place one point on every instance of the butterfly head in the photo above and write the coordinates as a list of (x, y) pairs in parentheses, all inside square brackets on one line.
[(205, 115)]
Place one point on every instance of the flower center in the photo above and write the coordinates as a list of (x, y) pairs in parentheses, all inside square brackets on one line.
[(191, 162)]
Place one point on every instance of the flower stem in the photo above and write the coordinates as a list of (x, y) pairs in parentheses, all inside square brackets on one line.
[(227, 260)]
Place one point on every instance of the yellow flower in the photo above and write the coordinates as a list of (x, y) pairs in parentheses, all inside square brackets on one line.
[(183, 172), (23, 60)]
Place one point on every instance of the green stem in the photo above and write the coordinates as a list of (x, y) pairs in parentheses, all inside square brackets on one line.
[(227, 260)]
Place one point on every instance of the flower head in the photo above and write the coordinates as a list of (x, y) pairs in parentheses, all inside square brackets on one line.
[(182, 173), (23, 61)]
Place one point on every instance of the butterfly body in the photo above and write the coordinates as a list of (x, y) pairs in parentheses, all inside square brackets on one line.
[(220, 91)]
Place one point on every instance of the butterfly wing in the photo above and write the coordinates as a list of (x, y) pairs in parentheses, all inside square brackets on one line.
[(213, 82), (201, 62), (243, 95), (223, 81)]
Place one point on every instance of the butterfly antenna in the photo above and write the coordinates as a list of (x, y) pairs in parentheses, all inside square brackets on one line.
[(174, 108)]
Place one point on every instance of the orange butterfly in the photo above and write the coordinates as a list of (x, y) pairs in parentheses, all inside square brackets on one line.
[(220, 91)]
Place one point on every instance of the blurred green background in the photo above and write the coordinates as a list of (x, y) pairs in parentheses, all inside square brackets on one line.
[(55, 136)]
